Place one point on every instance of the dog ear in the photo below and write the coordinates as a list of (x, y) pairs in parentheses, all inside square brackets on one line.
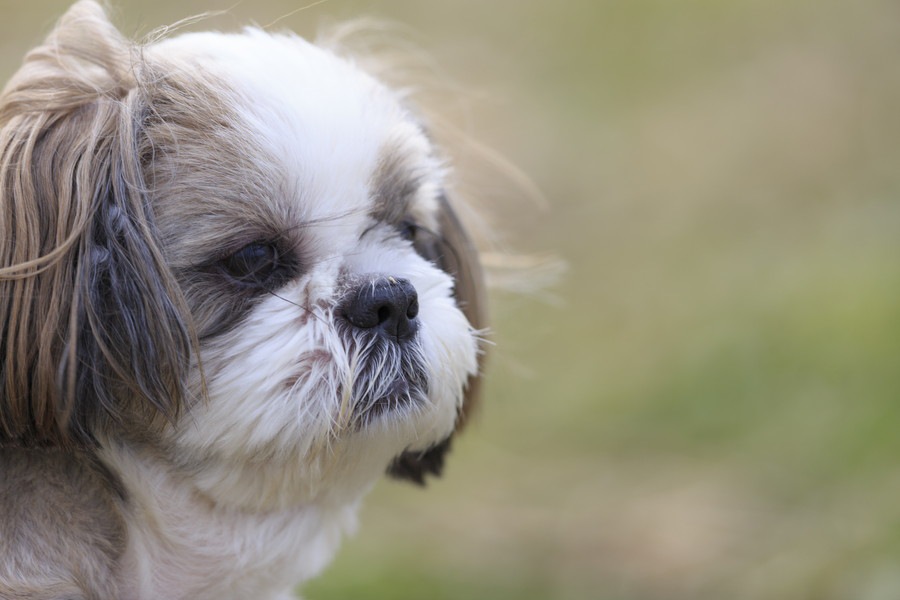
[(91, 326), (455, 253), (458, 256)]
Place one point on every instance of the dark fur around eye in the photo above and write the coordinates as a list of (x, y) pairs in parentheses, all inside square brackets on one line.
[(225, 288)]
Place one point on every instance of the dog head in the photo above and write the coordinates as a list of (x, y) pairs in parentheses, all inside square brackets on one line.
[(237, 249)]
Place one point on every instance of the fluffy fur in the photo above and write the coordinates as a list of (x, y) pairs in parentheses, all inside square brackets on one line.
[(233, 293)]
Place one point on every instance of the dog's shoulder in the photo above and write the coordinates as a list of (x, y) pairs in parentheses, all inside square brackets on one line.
[(61, 529)]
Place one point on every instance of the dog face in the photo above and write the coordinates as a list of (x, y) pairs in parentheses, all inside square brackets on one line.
[(237, 250)]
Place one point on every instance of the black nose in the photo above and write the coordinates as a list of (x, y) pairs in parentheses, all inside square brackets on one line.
[(388, 304)]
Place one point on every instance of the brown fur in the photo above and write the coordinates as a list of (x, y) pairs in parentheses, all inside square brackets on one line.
[(62, 530), (460, 259), (91, 326), (105, 171)]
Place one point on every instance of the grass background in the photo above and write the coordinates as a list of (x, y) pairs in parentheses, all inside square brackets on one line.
[(706, 406)]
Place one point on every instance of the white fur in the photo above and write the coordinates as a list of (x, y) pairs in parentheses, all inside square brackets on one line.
[(267, 476)]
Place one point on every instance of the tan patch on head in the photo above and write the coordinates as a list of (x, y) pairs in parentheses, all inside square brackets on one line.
[(406, 180), (215, 188), (209, 178)]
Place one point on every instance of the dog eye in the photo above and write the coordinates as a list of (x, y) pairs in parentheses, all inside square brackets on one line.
[(255, 263), (409, 231), (424, 241)]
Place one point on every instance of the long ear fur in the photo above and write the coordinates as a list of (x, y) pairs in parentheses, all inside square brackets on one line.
[(456, 254), (459, 257), (90, 318)]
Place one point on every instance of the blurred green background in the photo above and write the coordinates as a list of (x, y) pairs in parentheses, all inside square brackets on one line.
[(706, 405)]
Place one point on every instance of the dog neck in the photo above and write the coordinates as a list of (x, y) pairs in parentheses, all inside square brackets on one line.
[(182, 543)]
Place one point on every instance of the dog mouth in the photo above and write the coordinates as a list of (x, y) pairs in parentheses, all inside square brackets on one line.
[(385, 378), (401, 395)]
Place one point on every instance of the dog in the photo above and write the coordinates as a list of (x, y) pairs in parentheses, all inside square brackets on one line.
[(234, 292)]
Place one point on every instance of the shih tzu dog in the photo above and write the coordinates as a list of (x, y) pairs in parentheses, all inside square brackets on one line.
[(233, 293)]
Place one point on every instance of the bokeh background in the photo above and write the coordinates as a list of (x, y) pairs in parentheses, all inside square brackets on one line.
[(706, 404)]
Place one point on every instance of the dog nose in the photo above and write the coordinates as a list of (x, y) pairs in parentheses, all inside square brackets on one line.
[(388, 304)]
